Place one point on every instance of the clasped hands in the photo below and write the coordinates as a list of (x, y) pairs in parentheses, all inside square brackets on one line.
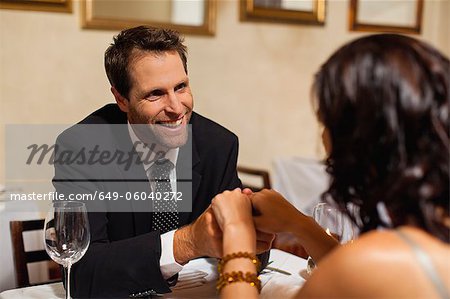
[(258, 216)]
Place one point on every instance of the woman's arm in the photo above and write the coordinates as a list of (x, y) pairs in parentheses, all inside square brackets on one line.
[(239, 238), (233, 213), (276, 215)]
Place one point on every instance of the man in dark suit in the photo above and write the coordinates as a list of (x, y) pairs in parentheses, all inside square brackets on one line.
[(138, 247)]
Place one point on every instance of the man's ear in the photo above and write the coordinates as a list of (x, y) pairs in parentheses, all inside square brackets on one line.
[(120, 100)]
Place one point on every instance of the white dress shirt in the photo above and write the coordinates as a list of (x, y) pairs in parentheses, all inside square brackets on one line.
[(169, 267)]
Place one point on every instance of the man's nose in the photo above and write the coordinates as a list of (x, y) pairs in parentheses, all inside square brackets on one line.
[(174, 104)]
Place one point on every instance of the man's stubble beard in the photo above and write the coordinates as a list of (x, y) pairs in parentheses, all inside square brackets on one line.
[(150, 133)]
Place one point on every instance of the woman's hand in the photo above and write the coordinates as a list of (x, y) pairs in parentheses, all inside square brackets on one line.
[(233, 213), (232, 208)]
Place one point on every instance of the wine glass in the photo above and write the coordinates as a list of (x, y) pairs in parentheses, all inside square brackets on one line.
[(66, 235), (335, 223)]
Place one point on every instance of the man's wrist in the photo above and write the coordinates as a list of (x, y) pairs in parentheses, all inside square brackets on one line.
[(183, 245), (168, 265)]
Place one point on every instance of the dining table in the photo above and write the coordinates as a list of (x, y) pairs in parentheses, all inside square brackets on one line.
[(282, 278)]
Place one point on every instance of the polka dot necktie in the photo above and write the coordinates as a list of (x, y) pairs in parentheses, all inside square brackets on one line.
[(165, 215)]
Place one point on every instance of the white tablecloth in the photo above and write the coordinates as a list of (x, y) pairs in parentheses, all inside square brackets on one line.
[(275, 284)]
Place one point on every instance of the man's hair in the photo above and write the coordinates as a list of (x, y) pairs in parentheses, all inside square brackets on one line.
[(122, 51), (385, 102)]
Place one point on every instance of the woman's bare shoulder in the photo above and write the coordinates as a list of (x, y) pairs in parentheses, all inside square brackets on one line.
[(377, 264), (367, 252)]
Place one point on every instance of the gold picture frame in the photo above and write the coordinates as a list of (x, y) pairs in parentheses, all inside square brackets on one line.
[(386, 16), (278, 11), (89, 20), (38, 5)]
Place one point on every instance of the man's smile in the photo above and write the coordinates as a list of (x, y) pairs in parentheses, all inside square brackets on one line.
[(171, 123)]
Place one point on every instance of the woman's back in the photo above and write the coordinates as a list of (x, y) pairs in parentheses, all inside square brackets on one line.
[(383, 264)]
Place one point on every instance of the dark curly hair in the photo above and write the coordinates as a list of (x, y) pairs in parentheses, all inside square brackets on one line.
[(384, 100), (149, 39)]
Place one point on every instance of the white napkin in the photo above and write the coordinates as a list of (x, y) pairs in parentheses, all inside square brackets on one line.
[(190, 279)]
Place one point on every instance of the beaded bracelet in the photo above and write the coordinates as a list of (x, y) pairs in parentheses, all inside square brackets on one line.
[(236, 255), (229, 278)]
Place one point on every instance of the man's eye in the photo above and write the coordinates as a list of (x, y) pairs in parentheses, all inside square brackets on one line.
[(154, 94), (180, 86)]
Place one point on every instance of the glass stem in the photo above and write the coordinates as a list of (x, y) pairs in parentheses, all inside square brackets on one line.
[(67, 278)]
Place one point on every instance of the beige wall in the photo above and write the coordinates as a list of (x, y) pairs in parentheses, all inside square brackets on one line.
[(253, 78)]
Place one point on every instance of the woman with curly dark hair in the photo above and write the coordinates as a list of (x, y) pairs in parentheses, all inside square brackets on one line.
[(384, 102)]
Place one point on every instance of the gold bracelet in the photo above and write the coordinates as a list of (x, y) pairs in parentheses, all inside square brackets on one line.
[(229, 278), (236, 255)]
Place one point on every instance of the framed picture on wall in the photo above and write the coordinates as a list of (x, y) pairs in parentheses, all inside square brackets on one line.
[(400, 16), (188, 17), (283, 11), (38, 5)]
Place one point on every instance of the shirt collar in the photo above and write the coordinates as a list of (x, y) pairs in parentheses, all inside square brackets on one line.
[(146, 154)]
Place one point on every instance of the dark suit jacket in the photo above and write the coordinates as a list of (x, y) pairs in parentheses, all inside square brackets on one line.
[(123, 257)]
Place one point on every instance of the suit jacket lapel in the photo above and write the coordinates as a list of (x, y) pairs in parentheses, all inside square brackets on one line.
[(188, 178)]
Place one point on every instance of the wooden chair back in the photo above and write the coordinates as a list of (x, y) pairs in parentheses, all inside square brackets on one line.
[(22, 257), (261, 174)]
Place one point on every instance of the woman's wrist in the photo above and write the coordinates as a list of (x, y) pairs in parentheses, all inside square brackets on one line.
[(238, 223), (297, 224), (239, 239), (301, 226), (246, 235), (240, 228), (313, 238)]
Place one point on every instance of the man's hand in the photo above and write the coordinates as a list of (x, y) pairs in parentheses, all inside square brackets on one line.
[(203, 237), (263, 241)]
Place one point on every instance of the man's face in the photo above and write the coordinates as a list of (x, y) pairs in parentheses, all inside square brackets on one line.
[(160, 96)]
